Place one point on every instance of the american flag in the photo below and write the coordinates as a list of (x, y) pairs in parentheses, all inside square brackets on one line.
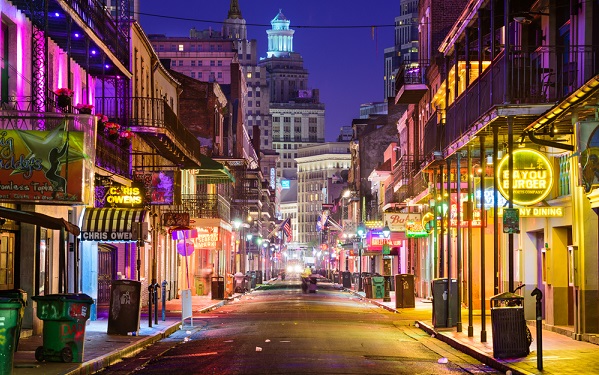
[(287, 229)]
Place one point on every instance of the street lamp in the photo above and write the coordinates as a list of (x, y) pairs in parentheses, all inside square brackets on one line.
[(362, 234)]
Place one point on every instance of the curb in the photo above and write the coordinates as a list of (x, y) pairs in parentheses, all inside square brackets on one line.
[(473, 352), (99, 363)]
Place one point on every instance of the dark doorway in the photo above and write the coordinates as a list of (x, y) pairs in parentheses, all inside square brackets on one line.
[(106, 273)]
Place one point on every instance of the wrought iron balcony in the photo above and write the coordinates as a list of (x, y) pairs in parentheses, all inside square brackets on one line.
[(544, 75), (157, 123), (113, 156), (74, 23), (410, 83), (205, 206), (433, 134)]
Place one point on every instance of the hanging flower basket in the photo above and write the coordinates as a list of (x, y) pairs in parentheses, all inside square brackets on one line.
[(63, 101), (63, 97), (112, 129), (126, 136), (84, 109)]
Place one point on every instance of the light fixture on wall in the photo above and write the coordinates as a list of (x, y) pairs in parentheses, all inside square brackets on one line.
[(526, 18)]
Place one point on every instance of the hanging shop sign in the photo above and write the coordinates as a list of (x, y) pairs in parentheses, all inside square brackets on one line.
[(159, 187), (375, 240), (532, 177), (397, 221), (207, 238), (124, 196), (477, 217)]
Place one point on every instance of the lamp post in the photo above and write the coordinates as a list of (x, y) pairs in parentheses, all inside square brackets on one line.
[(386, 265), (362, 234)]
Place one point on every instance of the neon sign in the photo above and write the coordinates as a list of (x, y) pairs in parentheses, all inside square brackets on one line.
[(532, 177)]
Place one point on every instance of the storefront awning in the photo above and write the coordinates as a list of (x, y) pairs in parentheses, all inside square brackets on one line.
[(212, 172), (111, 224), (38, 219)]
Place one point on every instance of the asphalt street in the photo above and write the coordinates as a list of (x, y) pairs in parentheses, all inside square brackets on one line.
[(280, 330)]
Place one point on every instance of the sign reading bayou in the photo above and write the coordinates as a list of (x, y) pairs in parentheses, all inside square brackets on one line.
[(532, 177)]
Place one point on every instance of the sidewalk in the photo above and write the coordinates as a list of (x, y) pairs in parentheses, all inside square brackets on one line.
[(561, 354), (101, 349)]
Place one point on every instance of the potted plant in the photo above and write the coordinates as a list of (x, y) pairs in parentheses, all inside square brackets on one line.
[(84, 109), (126, 136), (63, 98), (112, 128), (102, 120)]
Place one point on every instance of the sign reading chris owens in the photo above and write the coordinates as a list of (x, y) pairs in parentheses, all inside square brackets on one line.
[(532, 176)]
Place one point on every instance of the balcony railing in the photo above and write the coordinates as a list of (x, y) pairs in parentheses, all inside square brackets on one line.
[(433, 132), (152, 116), (205, 206), (113, 156), (97, 21), (545, 75), (410, 82)]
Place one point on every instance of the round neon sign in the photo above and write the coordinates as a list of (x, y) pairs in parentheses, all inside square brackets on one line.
[(532, 177)]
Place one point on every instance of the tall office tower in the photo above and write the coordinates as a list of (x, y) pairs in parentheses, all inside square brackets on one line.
[(322, 175), (258, 98), (296, 111), (405, 48)]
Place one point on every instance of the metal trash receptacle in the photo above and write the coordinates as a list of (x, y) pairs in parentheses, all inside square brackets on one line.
[(378, 286), (346, 276), (367, 285), (125, 307), (218, 287), (440, 303), (510, 333), (404, 291), (240, 283)]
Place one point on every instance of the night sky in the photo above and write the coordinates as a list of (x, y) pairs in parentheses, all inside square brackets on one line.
[(346, 64)]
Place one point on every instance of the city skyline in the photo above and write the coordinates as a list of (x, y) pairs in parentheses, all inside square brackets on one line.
[(321, 38)]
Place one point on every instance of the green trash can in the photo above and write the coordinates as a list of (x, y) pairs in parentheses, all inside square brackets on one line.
[(64, 317), (9, 320), (16, 295), (378, 287)]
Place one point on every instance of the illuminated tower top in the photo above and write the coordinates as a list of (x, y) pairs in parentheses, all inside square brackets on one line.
[(280, 37)]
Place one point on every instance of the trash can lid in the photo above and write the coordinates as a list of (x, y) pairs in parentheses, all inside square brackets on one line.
[(77, 297), (506, 296), (9, 304)]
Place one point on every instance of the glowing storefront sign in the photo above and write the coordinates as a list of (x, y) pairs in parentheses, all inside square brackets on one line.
[(397, 221), (532, 177), (207, 238), (538, 211), (122, 196)]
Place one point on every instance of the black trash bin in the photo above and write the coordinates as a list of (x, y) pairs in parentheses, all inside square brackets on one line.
[(218, 287), (404, 291), (16, 295), (251, 279), (125, 307), (367, 286), (440, 305), (356, 280), (346, 276), (511, 338), (258, 277)]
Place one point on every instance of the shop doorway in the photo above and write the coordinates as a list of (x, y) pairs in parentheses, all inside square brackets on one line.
[(7, 260), (106, 273)]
